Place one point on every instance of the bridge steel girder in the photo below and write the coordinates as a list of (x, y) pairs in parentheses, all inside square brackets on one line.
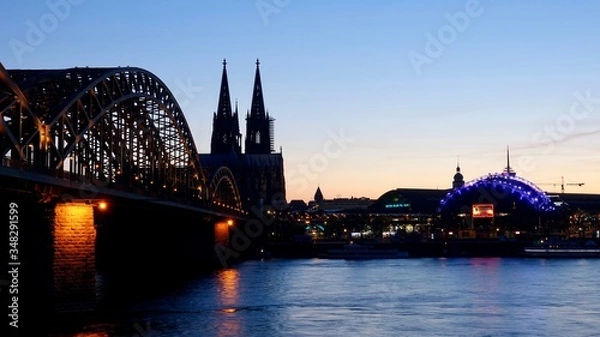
[(120, 127)]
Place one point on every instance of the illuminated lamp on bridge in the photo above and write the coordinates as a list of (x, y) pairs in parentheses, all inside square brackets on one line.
[(96, 203), (498, 204)]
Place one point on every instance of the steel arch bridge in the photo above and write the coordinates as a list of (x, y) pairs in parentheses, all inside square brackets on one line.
[(121, 127), (223, 189)]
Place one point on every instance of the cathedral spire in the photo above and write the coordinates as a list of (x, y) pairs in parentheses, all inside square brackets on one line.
[(258, 103), (224, 106), (259, 125), (226, 130)]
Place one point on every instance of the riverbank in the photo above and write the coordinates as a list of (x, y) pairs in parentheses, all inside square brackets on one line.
[(425, 248)]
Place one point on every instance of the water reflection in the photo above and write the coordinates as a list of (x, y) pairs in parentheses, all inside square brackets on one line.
[(414, 297), (228, 292), (228, 282), (486, 290)]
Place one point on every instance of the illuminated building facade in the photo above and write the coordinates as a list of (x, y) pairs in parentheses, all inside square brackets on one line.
[(494, 206), (500, 204), (406, 212)]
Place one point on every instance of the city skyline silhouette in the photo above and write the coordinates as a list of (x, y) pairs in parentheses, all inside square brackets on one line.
[(367, 97)]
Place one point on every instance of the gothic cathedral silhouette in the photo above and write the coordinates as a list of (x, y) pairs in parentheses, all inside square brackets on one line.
[(258, 169)]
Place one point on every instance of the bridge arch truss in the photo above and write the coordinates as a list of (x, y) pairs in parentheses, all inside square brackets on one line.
[(119, 126), (224, 191)]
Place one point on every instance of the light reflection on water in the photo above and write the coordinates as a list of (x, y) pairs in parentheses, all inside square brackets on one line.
[(403, 297), (228, 287)]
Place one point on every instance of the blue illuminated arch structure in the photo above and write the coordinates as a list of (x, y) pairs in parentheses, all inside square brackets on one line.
[(501, 189)]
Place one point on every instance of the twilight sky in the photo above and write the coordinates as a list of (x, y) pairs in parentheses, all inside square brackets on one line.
[(367, 96)]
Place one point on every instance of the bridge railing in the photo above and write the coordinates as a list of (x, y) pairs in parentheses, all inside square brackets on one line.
[(142, 190), (8, 162), (55, 173), (25, 166)]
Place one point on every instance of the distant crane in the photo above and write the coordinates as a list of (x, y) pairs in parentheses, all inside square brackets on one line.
[(563, 184)]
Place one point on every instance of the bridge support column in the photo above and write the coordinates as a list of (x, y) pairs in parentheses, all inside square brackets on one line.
[(222, 233), (73, 257)]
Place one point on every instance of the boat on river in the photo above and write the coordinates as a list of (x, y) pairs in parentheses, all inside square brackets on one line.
[(358, 251), (563, 249)]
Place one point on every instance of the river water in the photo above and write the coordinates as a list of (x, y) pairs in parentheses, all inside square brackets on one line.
[(395, 297)]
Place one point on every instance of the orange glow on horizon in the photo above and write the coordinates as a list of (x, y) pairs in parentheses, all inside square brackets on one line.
[(373, 179)]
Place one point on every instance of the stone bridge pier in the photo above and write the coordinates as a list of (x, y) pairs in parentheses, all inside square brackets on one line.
[(144, 247), (73, 254), (77, 256)]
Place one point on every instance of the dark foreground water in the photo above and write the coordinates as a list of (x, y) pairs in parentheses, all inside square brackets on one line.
[(402, 297)]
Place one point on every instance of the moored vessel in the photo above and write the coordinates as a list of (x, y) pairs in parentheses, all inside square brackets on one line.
[(356, 251), (563, 248)]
